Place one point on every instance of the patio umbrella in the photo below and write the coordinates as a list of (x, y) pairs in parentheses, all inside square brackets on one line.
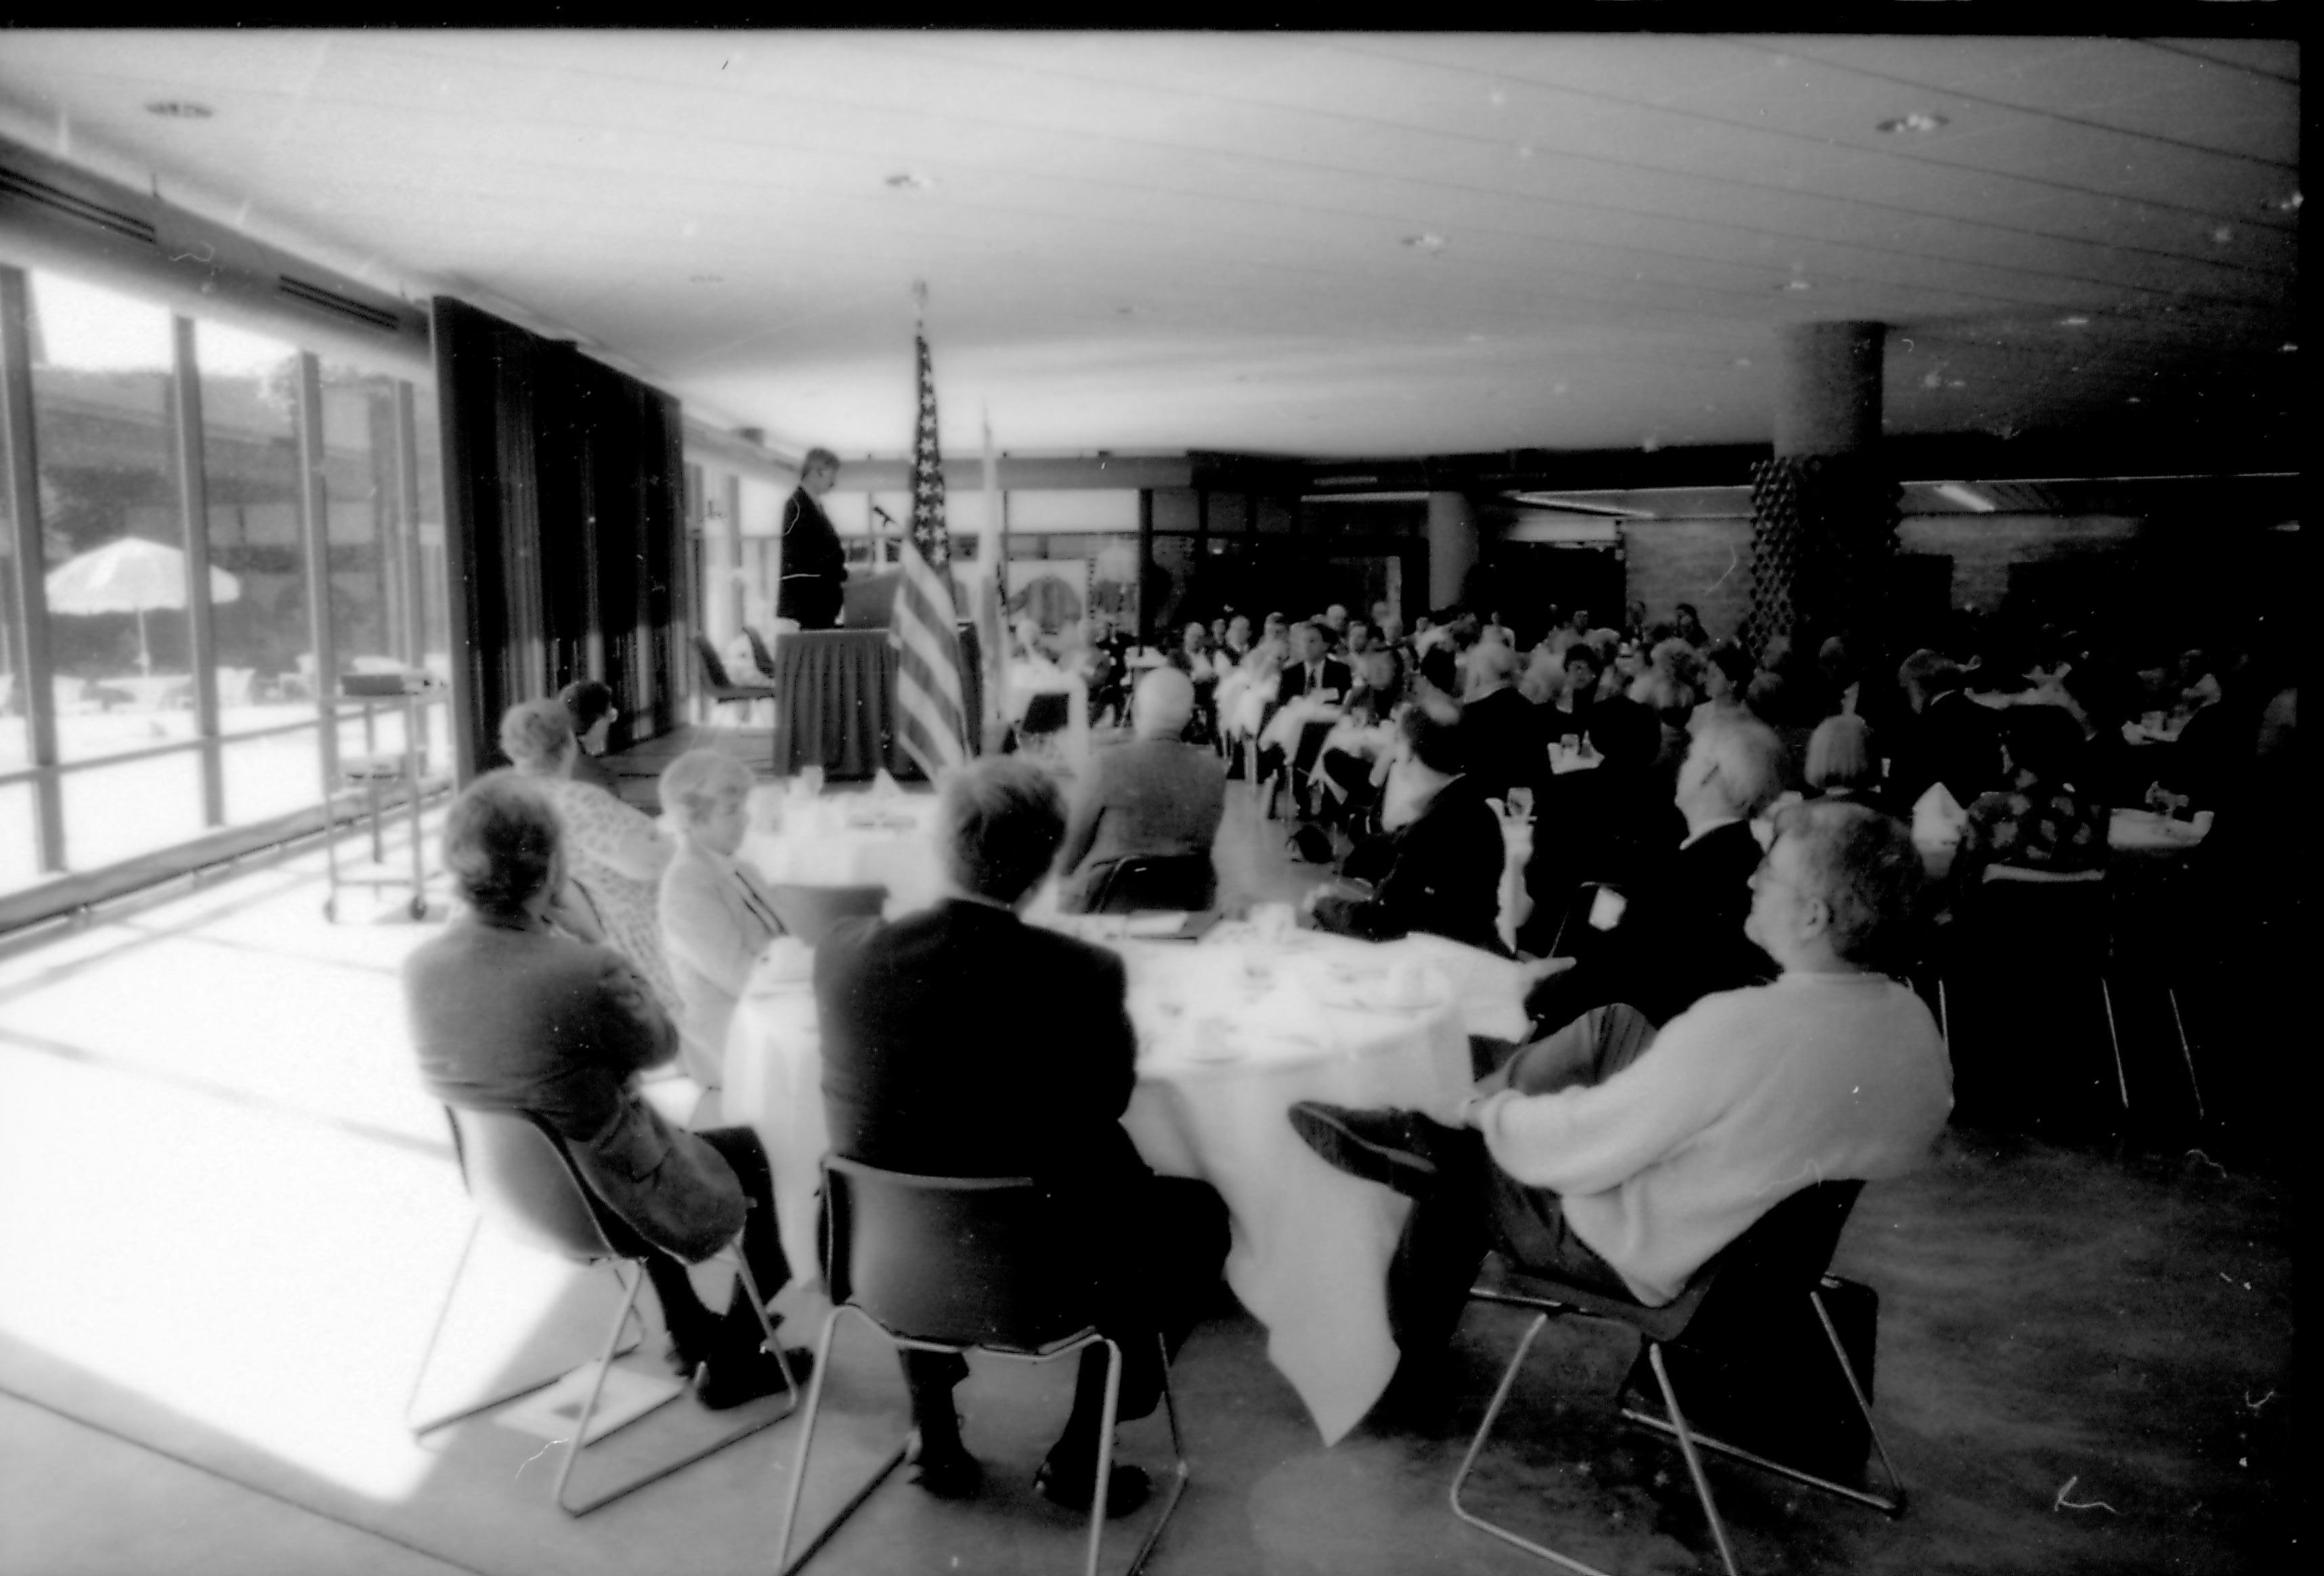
[(131, 575)]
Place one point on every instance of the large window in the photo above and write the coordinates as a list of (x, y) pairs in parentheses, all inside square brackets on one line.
[(182, 674)]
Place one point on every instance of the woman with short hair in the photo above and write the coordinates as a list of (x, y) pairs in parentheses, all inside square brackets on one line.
[(1840, 763), (715, 914), (614, 856), (589, 706)]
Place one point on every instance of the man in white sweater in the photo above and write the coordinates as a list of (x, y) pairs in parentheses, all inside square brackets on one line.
[(1624, 1158)]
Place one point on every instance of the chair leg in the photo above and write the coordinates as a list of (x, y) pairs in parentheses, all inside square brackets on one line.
[(784, 1563), (1894, 1503), (422, 1429), (2186, 1051), (1180, 1472), (1693, 1457), (1104, 1455), (631, 1485), (1893, 1507), (2121, 1079), (1944, 1017), (1477, 1446)]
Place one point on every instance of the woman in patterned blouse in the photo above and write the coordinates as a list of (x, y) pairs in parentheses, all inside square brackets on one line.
[(2043, 820), (617, 853)]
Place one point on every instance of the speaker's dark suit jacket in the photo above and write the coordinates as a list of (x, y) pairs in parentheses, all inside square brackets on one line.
[(1681, 937)]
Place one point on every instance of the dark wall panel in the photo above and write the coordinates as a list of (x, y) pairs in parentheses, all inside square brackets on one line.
[(562, 514)]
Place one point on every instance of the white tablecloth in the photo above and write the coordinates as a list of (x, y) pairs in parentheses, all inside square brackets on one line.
[(847, 840), (2138, 833), (1230, 1032)]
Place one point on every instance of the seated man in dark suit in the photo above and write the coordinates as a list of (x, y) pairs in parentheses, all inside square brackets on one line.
[(1946, 737), (931, 1067), (511, 1014), (1156, 797), (1507, 747), (1613, 823), (1680, 934), (1310, 673), (1442, 865)]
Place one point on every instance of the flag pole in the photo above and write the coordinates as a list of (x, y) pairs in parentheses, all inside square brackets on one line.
[(995, 598)]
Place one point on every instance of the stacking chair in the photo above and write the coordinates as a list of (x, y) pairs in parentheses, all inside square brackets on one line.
[(1157, 881), (762, 657), (2058, 922), (723, 690), (1782, 1257), (810, 912), (525, 1181), (962, 1264)]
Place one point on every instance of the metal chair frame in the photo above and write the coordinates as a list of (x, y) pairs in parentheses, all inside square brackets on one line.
[(723, 690), (1659, 1327), (2024, 876), (1066, 1346), (1119, 889), (589, 1255)]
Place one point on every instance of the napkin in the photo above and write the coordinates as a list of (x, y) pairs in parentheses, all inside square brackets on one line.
[(787, 963), (1937, 818)]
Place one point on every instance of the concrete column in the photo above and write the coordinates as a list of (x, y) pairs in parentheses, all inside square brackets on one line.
[(1453, 546), (1824, 509)]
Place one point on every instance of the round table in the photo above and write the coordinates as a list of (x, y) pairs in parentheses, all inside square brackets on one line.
[(1230, 1031), (846, 840)]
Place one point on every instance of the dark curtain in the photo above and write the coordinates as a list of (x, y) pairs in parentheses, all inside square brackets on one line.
[(561, 519)]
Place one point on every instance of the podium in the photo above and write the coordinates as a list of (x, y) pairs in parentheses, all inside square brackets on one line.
[(836, 703)]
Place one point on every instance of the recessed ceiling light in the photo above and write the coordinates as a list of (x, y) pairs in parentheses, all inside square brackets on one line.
[(1918, 122), (1740, 361), (178, 109), (2282, 205), (2223, 234), (2075, 321), (1798, 284), (1425, 242), (910, 180), (706, 278), (2133, 400), (2289, 346)]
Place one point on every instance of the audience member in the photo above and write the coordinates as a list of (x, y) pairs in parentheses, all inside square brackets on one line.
[(1623, 1158), (614, 856), (897, 1000), (1503, 741), (1442, 866), (717, 915), (1841, 764), (509, 1016), (1153, 797), (1727, 673), (2043, 820), (1946, 737), (1612, 823), (589, 707), (1680, 937)]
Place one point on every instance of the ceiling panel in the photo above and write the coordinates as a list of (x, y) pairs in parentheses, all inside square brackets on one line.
[(1342, 244)]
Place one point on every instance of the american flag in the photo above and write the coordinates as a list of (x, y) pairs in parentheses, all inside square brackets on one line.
[(928, 668)]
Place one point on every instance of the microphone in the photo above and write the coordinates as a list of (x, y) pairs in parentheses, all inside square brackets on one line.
[(883, 514)]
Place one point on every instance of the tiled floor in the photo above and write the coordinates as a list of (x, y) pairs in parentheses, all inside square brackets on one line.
[(227, 1214)]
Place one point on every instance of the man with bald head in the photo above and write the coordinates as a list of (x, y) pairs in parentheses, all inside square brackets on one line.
[(1155, 796)]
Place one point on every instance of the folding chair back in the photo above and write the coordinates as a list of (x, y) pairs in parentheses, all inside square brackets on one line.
[(955, 1261), (523, 1181), (810, 912), (993, 1263)]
